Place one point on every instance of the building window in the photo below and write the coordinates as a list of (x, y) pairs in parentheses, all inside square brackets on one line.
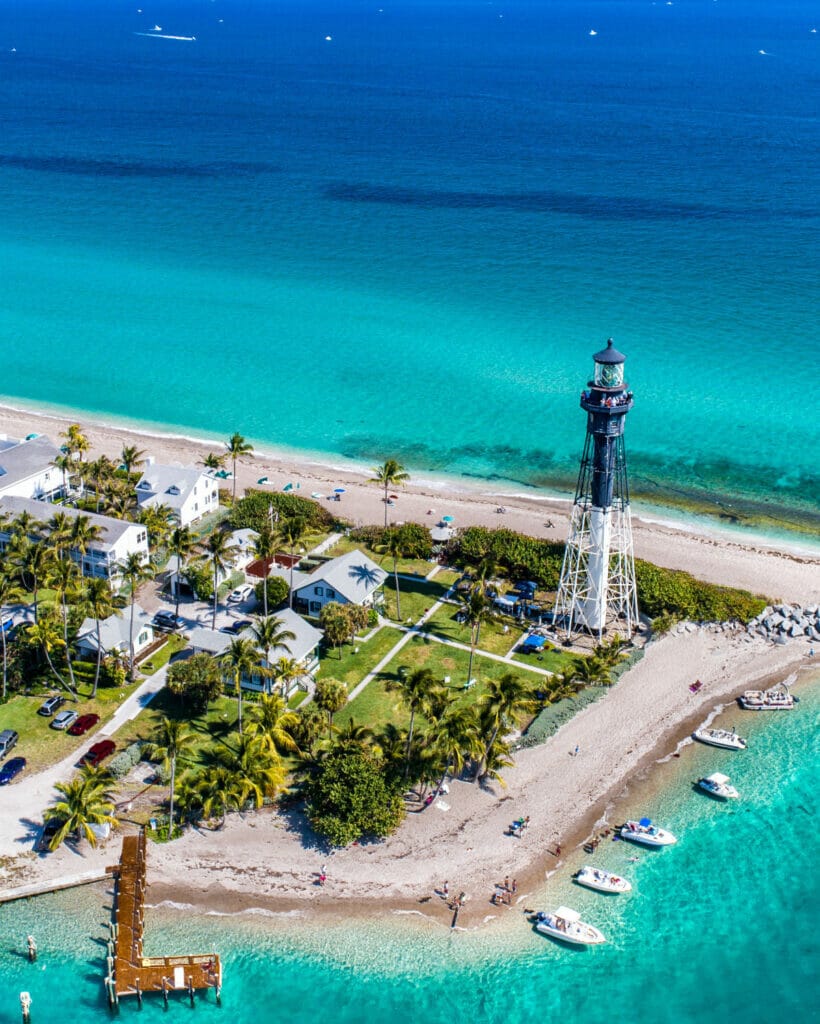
[(330, 593), (319, 591), (315, 606)]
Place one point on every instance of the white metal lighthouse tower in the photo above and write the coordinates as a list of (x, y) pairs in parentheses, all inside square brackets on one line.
[(597, 585)]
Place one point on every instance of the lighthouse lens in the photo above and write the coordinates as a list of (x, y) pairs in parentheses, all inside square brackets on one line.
[(609, 375)]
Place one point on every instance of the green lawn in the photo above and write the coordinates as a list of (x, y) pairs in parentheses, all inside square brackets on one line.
[(554, 660), (43, 746), (415, 596), (353, 666), (163, 655), (374, 707), (412, 566), (492, 637)]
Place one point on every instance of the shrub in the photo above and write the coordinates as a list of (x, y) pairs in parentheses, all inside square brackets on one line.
[(200, 576), (196, 681), (349, 798), (521, 556), (415, 538), (277, 590), (122, 764), (677, 594), (253, 510)]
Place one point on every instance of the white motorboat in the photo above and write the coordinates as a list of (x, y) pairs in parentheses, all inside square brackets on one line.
[(566, 925), (727, 739), (718, 785), (645, 832), (776, 699), (602, 881)]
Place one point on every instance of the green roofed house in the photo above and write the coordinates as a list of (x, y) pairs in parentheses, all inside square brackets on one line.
[(349, 579)]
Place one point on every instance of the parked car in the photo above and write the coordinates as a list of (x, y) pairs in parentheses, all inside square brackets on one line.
[(99, 752), (83, 724), (50, 830), (240, 593), (236, 627), (167, 621), (8, 740), (11, 769), (64, 719), (49, 706)]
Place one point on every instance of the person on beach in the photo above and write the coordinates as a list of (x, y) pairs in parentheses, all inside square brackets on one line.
[(577, 750), (445, 889), (514, 886), (507, 883)]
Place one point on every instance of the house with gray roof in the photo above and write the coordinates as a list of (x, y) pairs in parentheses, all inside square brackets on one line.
[(349, 579), (115, 633), (187, 491), (302, 649), (118, 538), (27, 468)]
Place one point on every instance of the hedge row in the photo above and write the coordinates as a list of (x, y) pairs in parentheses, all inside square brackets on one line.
[(415, 538), (122, 764), (521, 556), (677, 593)]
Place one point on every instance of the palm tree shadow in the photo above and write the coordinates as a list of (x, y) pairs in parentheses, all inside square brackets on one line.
[(296, 822)]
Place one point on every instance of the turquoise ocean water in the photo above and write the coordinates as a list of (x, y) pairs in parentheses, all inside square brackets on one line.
[(408, 239), (720, 927)]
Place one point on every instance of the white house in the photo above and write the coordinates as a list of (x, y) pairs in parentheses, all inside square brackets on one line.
[(302, 649), (118, 537), (27, 468), (349, 579), (188, 492), (115, 633)]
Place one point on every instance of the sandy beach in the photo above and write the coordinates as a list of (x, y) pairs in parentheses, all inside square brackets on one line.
[(268, 859), (780, 572)]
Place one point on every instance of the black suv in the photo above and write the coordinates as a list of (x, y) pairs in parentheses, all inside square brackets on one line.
[(8, 741), (167, 620), (49, 706)]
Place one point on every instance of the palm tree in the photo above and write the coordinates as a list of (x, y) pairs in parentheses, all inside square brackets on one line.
[(219, 551), (59, 533), (290, 531), (180, 546), (34, 560), (214, 461), (134, 571), (131, 456), (65, 578), (237, 447), (82, 534), (272, 722), (503, 701), (269, 633), (258, 768), (457, 739), (330, 697), (264, 548), (119, 500), (75, 440), (393, 544), (172, 739), (415, 688), (390, 474), (9, 593), (475, 608), (285, 671), (45, 633), (353, 736), (157, 521), (65, 463), (99, 605), (220, 789), (243, 659), (101, 473), (86, 801)]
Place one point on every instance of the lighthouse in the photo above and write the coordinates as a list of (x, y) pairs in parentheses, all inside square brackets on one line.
[(597, 587)]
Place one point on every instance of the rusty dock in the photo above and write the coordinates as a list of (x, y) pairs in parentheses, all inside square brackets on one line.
[(129, 972)]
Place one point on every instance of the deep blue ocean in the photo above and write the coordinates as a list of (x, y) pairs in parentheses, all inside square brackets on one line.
[(720, 928), (408, 238)]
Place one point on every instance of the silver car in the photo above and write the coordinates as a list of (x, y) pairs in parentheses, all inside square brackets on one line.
[(64, 719)]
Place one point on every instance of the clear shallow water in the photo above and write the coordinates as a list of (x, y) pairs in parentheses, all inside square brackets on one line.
[(429, 223), (722, 926)]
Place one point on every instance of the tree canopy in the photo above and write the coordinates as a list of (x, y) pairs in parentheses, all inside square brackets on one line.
[(196, 681)]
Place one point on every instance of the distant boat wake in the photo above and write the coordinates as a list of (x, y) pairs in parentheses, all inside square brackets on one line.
[(158, 35)]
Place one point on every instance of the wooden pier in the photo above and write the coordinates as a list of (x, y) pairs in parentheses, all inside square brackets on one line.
[(129, 972)]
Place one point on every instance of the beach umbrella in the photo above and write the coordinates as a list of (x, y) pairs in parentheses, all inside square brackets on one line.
[(447, 519), (645, 822), (395, 497), (338, 490), (288, 487)]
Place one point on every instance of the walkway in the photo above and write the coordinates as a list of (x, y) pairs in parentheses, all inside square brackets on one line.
[(326, 544)]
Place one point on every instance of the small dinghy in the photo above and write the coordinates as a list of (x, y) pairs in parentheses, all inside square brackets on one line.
[(718, 785), (566, 926), (601, 881)]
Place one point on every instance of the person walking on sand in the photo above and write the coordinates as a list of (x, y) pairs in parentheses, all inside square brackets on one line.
[(445, 889), (577, 750), (514, 886), (507, 883)]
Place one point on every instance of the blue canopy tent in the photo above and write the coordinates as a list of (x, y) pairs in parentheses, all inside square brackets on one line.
[(533, 642)]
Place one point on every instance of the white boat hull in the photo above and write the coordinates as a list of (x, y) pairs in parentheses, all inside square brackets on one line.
[(606, 882), (588, 937), (724, 793), (659, 837), (719, 738)]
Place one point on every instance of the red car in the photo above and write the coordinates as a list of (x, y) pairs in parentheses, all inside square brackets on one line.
[(83, 724), (99, 752)]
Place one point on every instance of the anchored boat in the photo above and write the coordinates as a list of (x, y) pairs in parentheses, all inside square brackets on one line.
[(601, 881), (727, 739), (645, 832), (718, 785), (566, 925), (776, 699)]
